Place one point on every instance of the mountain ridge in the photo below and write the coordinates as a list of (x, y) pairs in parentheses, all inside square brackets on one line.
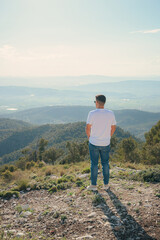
[(135, 121)]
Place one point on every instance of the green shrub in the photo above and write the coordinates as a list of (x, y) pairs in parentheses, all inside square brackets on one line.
[(7, 175), (56, 215), (66, 178), (28, 165), (63, 218), (40, 164), (150, 175), (86, 170), (8, 194), (48, 172), (19, 209), (22, 185), (53, 189), (79, 183), (62, 186), (12, 168)]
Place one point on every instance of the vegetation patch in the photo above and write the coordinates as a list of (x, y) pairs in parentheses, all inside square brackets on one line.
[(150, 175), (63, 186), (53, 189), (86, 170), (8, 194)]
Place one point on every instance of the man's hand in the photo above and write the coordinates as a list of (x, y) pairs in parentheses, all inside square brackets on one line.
[(88, 130), (113, 129)]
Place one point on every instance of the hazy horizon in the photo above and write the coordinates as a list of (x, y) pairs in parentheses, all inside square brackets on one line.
[(68, 82)]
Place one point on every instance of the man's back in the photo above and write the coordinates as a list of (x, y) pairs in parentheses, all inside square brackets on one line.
[(101, 121)]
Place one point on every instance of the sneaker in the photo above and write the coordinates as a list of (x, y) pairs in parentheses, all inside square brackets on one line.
[(105, 187), (92, 188)]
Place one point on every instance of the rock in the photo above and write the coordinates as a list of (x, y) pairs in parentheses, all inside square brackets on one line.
[(20, 234), (105, 218), (21, 221), (13, 231), (39, 218), (90, 227), (83, 175), (25, 207), (84, 237), (93, 214), (26, 214), (107, 224)]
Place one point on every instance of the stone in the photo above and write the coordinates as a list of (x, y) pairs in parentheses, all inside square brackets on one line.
[(20, 234), (83, 175), (90, 227), (84, 237), (105, 218), (26, 214), (93, 214), (25, 207)]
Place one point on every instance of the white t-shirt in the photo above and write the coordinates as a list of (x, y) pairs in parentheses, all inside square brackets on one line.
[(101, 121)]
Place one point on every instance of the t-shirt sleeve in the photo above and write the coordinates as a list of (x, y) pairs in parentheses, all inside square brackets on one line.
[(113, 120), (89, 118)]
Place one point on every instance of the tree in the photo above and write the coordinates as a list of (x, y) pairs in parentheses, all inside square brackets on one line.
[(151, 149), (41, 147), (51, 155), (129, 146)]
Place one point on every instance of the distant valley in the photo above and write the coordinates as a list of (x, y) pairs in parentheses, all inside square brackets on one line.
[(141, 95)]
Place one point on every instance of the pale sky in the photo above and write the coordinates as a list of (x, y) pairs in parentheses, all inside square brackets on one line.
[(79, 37)]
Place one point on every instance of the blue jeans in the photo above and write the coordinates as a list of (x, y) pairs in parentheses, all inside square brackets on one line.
[(103, 151)]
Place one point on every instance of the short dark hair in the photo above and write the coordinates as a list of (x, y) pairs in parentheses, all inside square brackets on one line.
[(101, 98)]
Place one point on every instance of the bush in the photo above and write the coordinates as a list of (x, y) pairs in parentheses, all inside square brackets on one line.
[(48, 172), (53, 189), (29, 165), (22, 185), (40, 164), (86, 170), (79, 183), (62, 186), (7, 175), (66, 178), (12, 168), (8, 194), (51, 155), (63, 218), (151, 175), (21, 163)]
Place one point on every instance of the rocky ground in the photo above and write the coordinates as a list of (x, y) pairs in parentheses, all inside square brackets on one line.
[(128, 210)]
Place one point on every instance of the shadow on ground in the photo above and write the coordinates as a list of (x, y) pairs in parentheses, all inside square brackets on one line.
[(125, 226)]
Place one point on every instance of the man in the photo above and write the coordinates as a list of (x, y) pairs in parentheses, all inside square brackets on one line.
[(101, 125)]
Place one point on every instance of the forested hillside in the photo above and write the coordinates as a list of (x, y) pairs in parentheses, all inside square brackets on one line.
[(135, 121), (56, 134)]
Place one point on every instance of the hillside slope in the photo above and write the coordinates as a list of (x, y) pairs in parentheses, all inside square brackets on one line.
[(56, 134), (135, 121)]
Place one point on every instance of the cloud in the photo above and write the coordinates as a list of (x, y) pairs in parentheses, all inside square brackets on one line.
[(9, 52), (148, 31)]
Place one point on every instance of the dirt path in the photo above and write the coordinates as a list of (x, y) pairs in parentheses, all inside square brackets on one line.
[(128, 210)]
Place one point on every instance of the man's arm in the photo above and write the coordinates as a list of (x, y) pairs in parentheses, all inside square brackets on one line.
[(113, 129), (88, 130)]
